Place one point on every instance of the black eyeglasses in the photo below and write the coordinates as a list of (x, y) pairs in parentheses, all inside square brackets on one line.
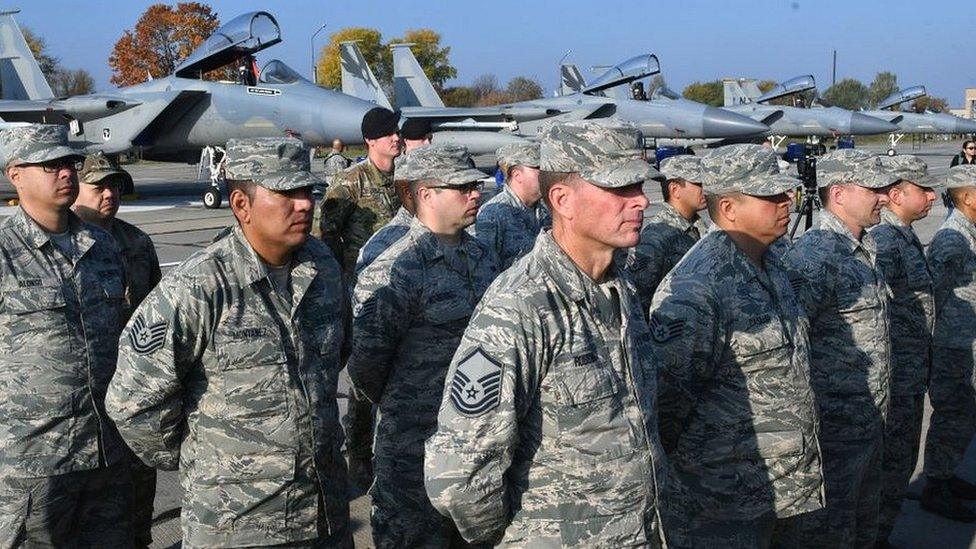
[(467, 188), (971, 148), (54, 166)]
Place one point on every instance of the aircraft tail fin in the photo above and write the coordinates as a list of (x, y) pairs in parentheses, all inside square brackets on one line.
[(571, 79), (20, 75), (735, 94), (411, 87), (358, 79)]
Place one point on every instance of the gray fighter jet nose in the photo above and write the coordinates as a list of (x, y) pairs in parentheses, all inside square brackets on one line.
[(862, 124), (722, 123), (964, 126)]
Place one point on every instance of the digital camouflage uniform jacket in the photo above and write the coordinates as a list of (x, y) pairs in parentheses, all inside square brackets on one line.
[(663, 242), (141, 263), (219, 373), (509, 227), (901, 259), (359, 200), (846, 300), (737, 414), (60, 320), (382, 239), (952, 258), (547, 432)]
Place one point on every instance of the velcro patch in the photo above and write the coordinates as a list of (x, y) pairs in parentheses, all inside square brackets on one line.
[(477, 384), (147, 338), (665, 329)]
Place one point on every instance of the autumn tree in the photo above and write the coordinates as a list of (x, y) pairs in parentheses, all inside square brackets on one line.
[(522, 88), (710, 93), (162, 38), (68, 82), (848, 93), (433, 58), (929, 103), (885, 83), (485, 85), (459, 96), (370, 43)]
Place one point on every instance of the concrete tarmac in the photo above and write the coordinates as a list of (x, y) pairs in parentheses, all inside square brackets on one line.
[(170, 209)]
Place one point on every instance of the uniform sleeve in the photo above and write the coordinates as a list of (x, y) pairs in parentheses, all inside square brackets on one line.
[(888, 259), (382, 305), (337, 205), (685, 337), (810, 277), (490, 394), (644, 263), (946, 262), (487, 228), (158, 348)]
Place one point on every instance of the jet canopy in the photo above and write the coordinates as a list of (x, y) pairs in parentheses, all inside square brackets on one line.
[(791, 86), (241, 36), (632, 69), (276, 72), (665, 92), (902, 96)]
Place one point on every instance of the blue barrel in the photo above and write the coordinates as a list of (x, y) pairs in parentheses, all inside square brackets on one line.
[(845, 143)]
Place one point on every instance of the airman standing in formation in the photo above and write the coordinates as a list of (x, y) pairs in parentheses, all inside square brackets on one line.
[(846, 299), (674, 230), (952, 260), (64, 478), (229, 368), (901, 259), (410, 308), (98, 203), (510, 221), (737, 415), (547, 432)]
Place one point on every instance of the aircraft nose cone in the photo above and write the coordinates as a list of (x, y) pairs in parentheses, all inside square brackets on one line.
[(723, 123), (862, 124), (964, 126)]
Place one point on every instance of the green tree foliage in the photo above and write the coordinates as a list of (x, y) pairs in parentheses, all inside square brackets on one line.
[(848, 93), (521, 88), (929, 103), (67, 82), (433, 58), (884, 84), (38, 46), (710, 93), (459, 96)]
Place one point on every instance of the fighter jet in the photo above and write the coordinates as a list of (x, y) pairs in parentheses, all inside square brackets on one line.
[(910, 122), (743, 97), (416, 98), (175, 117)]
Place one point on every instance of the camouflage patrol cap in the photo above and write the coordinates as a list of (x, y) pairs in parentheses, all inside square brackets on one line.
[(607, 153), (275, 163), (518, 154), (909, 167), (748, 169), (963, 175), (685, 166), (99, 167), (449, 164), (853, 166), (35, 143)]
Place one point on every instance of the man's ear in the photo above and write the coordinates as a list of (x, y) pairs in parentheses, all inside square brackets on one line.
[(240, 205), (562, 198)]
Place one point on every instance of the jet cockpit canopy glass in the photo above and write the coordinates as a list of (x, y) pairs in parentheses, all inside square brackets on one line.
[(789, 87), (243, 35), (665, 92), (632, 69), (902, 96), (276, 72)]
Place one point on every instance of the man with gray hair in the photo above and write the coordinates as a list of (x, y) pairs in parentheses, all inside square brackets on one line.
[(901, 259), (228, 368), (510, 221), (64, 479), (673, 230), (952, 260), (846, 299), (410, 307), (547, 432), (737, 415)]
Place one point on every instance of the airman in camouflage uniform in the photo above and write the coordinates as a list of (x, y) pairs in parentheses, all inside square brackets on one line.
[(547, 432), (510, 221), (846, 299), (98, 203), (335, 162), (63, 477), (672, 231), (737, 416), (411, 306), (901, 259), (952, 261), (229, 367)]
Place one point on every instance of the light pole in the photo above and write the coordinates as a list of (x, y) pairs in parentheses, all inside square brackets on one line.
[(311, 43)]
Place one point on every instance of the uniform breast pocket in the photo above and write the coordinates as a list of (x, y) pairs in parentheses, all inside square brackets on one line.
[(851, 299), (37, 314), (448, 310), (590, 415), (252, 373), (760, 350)]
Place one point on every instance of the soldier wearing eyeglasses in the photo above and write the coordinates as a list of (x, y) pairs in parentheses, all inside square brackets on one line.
[(64, 480)]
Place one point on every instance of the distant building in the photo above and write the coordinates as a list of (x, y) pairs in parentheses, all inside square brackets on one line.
[(969, 105)]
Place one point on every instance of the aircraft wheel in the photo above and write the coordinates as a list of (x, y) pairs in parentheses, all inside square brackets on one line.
[(211, 199), (891, 152)]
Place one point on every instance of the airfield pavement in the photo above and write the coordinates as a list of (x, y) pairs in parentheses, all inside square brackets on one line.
[(169, 207)]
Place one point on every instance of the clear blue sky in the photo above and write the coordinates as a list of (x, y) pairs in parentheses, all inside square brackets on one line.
[(929, 43)]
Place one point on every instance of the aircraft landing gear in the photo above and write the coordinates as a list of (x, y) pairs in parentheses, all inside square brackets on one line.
[(212, 198), (212, 160), (894, 138), (776, 141)]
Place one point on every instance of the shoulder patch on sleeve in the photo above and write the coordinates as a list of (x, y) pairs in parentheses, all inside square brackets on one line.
[(146, 338), (476, 386), (363, 309), (664, 329)]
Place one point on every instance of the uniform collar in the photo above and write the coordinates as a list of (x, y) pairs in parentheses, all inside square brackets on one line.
[(888, 217), (831, 223), (37, 237), (386, 178), (432, 248), (669, 214), (957, 218), (250, 267), (559, 268)]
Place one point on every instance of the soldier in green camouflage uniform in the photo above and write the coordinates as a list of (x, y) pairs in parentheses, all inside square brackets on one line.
[(952, 261), (547, 432), (736, 411), (846, 300), (510, 221), (229, 368), (901, 259), (63, 476), (672, 231), (410, 307), (395, 229), (98, 203)]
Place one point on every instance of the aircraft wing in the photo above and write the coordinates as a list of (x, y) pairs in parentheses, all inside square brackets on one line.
[(62, 111)]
